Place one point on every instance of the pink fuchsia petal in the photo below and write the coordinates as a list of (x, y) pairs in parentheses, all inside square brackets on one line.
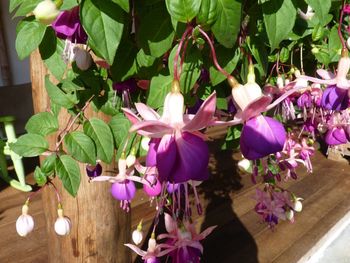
[(204, 115), (256, 107), (146, 112), (336, 136), (151, 158), (136, 249), (205, 233), (166, 157), (320, 81), (103, 178), (325, 74), (133, 118), (170, 223), (154, 187), (123, 190), (153, 129)]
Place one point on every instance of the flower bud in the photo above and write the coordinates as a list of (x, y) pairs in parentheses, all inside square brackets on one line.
[(82, 58), (245, 165), (137, 234), (145, 143), (131, 159), (46, 12), (297, 206), (279, 82), (290, 215), (94, 170), (62, 224), (24, 223), (152, 243)]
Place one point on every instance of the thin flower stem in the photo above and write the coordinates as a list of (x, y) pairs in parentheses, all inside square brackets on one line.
[(57, 193), (340, 24), (176, 58), (71, 123), (215, 60), (35, 193)]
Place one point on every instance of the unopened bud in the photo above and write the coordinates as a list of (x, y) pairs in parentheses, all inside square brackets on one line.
[(82, 58), (62, 224), (290, 215), (245, 165), (145, 143), (131, 159), (24, 223), (46, 12), (137, 234), (297, 206)]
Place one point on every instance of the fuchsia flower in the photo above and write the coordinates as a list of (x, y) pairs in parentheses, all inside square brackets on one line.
[(336, 136), (123, 186), (178, 141), (67, 26), (184, 242), (336, 95)]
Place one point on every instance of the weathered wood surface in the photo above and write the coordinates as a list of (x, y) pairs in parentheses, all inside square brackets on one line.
[(99, 227), (228, 203)]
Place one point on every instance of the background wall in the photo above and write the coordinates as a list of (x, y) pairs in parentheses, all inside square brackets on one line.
[(19, 69)]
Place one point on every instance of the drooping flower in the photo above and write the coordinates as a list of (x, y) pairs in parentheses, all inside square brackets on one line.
[(68, 26), (334, 98), (137, 234), (82, 58), (94, 170), (62, 224), (261, 136), (25, 222), (336, 136), (177, 141)]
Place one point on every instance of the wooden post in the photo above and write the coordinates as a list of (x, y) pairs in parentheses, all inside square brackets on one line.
[(99, 227), (5, 69)]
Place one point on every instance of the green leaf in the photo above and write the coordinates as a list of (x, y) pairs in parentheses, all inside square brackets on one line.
[(81, 147), (124, 65), (191, 67), (334, 45), (60, 97), (208, 12), (68, 4), (228, 22), (39, 176), (68, 171), (25, 7), (124, 4), (42, 123), (159, 88), (120, 126), (103, 22), (228, 59), (30, 145), (49, 163), (156, 33), (51, 50), (101, 134), (321, 8), (35, 32), (144, 60), (279, 19), (183, 10)]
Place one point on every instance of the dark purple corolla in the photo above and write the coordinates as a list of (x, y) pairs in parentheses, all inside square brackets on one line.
[(93, 170), (67, 26), (334, 98), (262, 136), (129, 85), (336, 136), (186, 254)]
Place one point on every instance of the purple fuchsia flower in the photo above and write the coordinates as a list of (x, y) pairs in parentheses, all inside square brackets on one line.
[(336, 136), (336, 95), (124, 88), (179, 141), (184, 242), (304, 100), (123, 186), (94, 170), (150, 174), (68, 27), (261, 136)]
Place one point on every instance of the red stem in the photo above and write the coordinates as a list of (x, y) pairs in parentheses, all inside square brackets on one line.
[(215, 60), (176, 58), (340, 24), (57, 193)]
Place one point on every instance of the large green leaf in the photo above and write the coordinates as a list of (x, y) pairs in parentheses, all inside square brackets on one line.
[(159, 88), (80, 147), (321, 8), (58, 96), (101, 134), (156, 33), (25, 6), (29, 38), (120, 126), (191, 68), (39, 176), (30, 145), (103, 21), (51, 50), (183, 10), (208, 12), (279, 19), (123, 4), (68, 171), (227, 24), (42, 123)]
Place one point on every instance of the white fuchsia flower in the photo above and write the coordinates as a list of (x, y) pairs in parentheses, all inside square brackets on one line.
[(46, 12), (137, 234), (25, 222)]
